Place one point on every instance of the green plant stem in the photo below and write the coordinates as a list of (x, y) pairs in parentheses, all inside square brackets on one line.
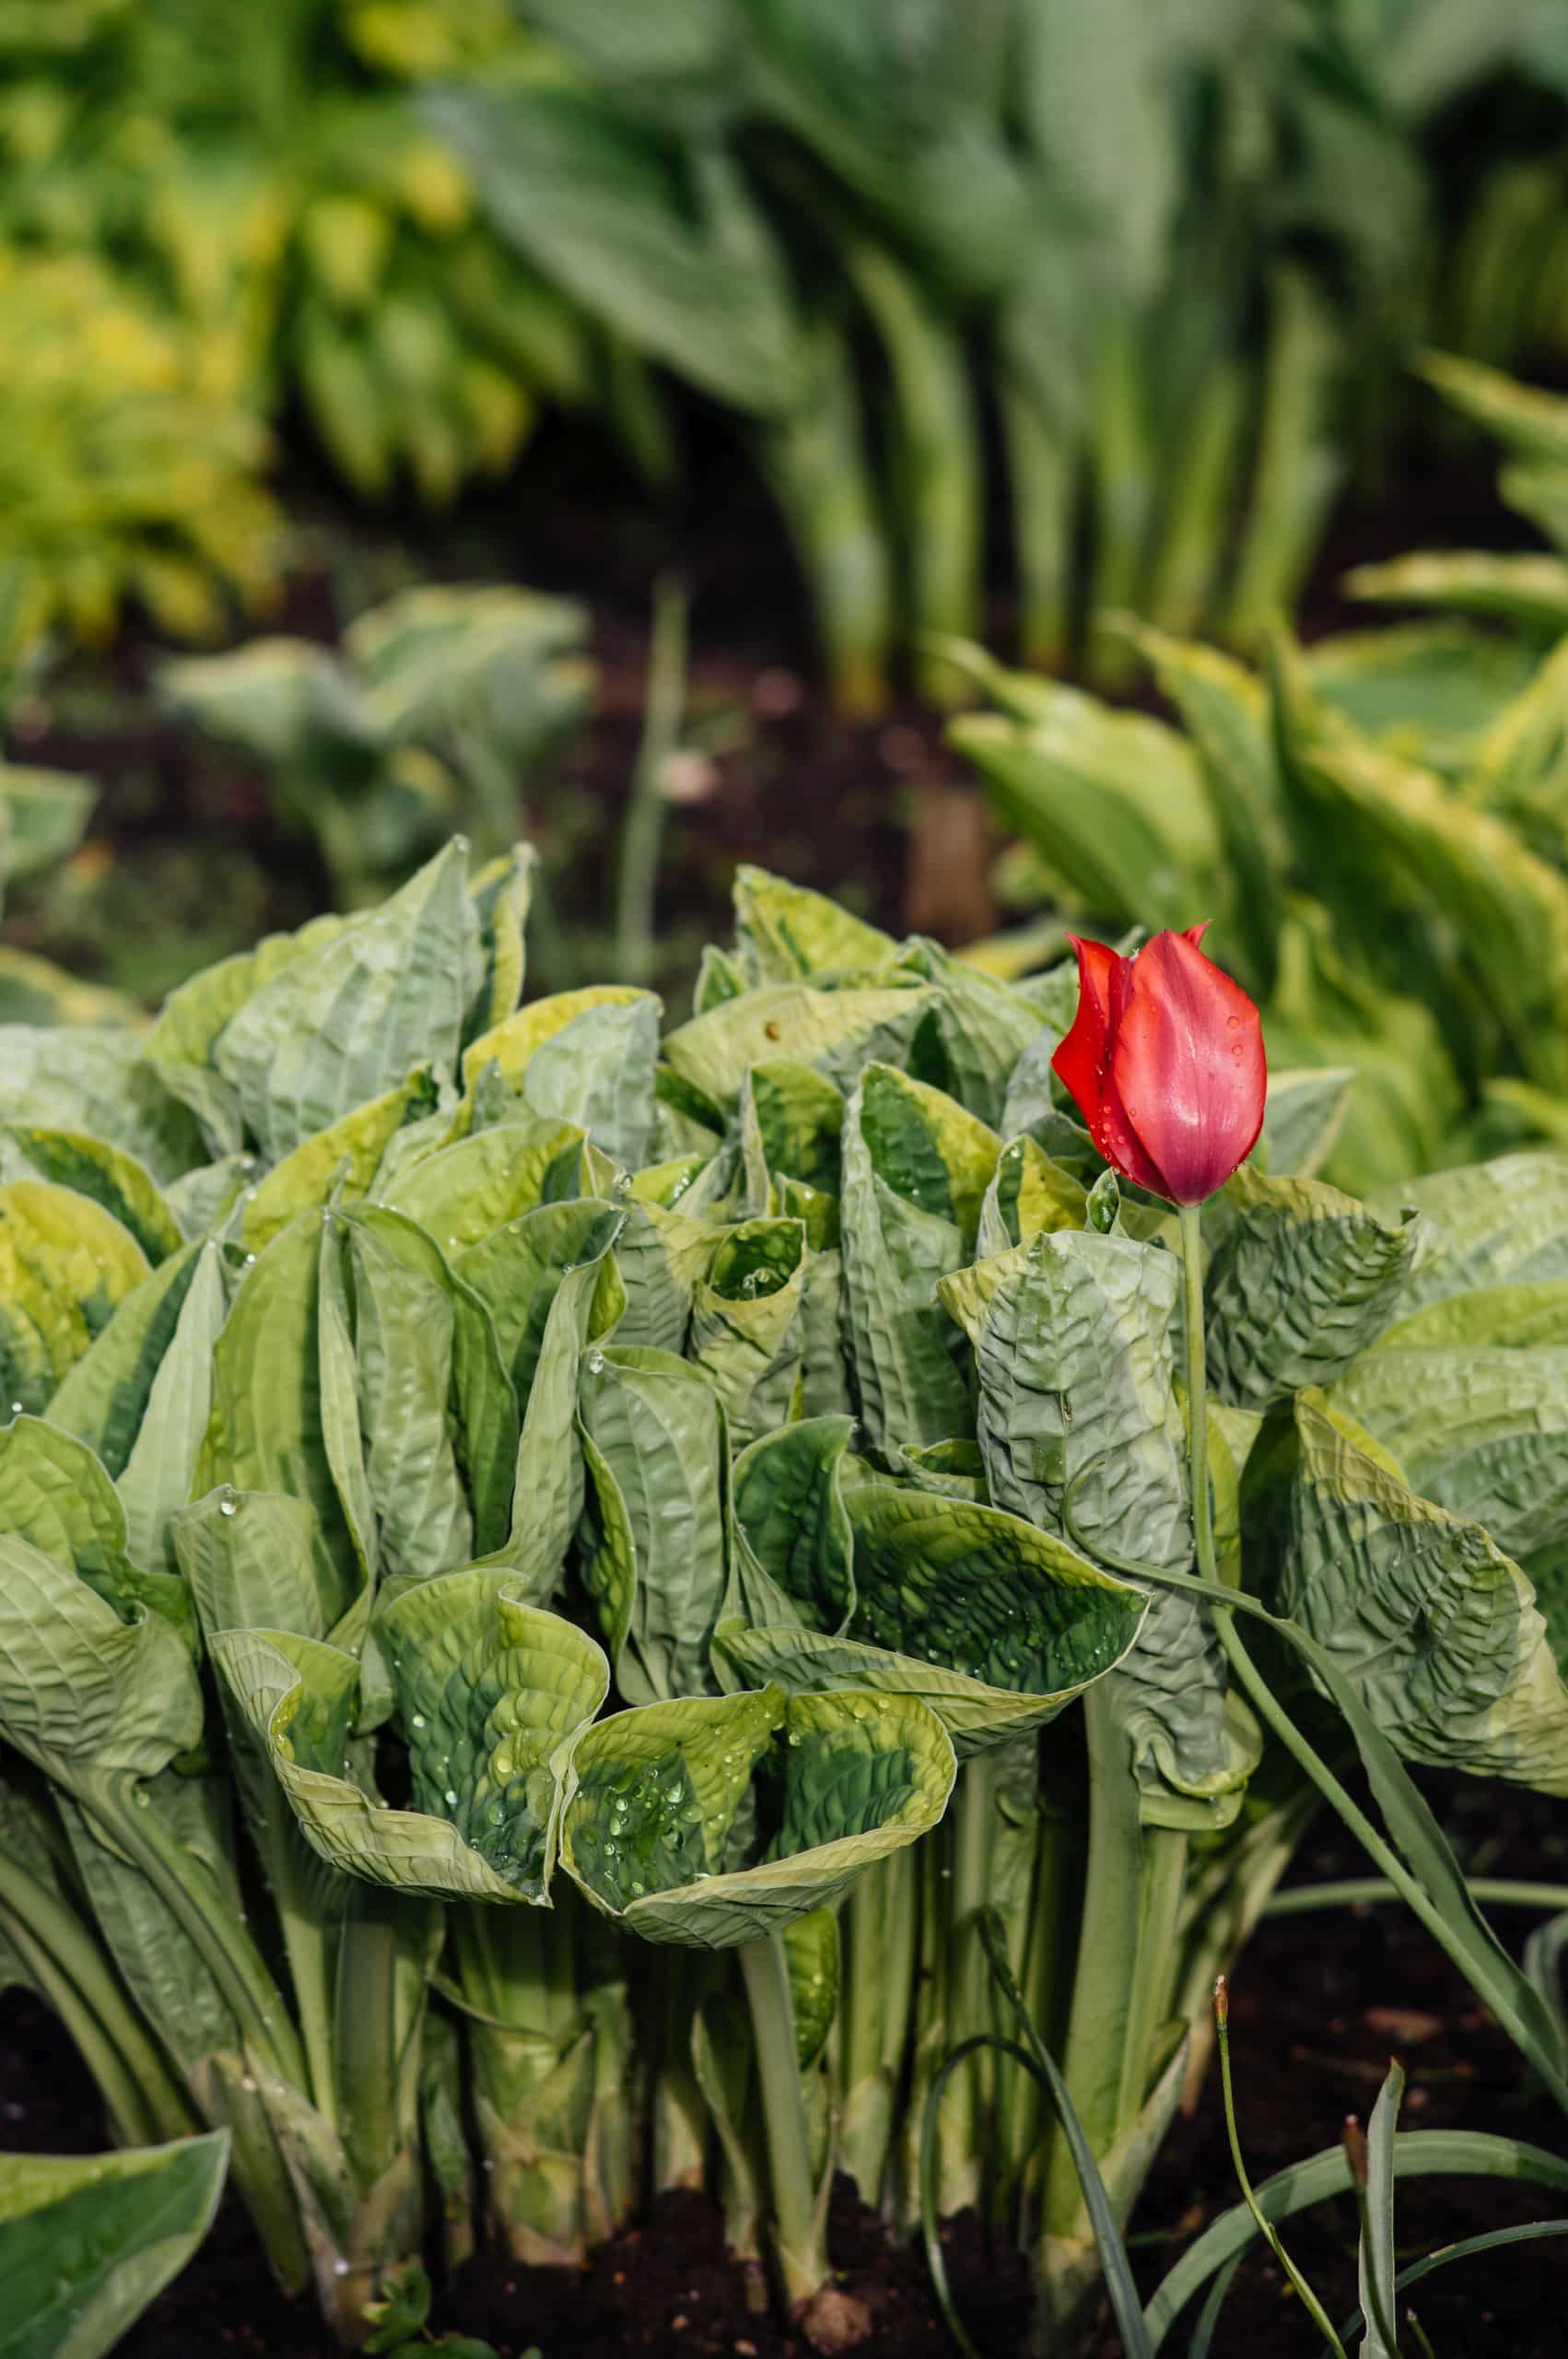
[(880, 1928), (798, 2219), (1043, 476), (1161, 1886), (1356, 1892), (1105, 1989), (1190, 1222), (365, 2040), (140, 2094), (642, 829), (206, 1918)]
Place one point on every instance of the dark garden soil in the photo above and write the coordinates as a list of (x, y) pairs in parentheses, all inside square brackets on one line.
[(1320, 2005)]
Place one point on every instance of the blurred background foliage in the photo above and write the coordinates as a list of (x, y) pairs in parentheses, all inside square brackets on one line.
[(1133, 281), (1027, 317)]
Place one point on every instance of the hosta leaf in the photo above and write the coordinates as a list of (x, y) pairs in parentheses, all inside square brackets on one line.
[(1480, 1430), (511, 1045), (835, 1032), (83, 1693), (1431, 1623), (598, 1071), (1503, 1222), (659, 1433), (786, 933), (1304, 1280), (500, 892), (250, 1560), (65, 1264), (104, 1396), (791, 1519), (86, 2241), (656, 1796), (200, 1200), (796, 1119), (463, 1192), (347, 1019), (995, 1624), (811, 1949), (489, 1693), (661, 1253), (93, 1167), (983, 1027), (1534, 1311), (483, 1403), (1028, 1194), (404, 1344), (157, 1476), (915, 1169), (1531, 590), (516, 1272), (91, 1079), (284, 1411), (340, 1162), (57, 1495), (747, 1328), (1425, 692)]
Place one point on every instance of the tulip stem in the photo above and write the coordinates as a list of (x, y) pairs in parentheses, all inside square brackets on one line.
[(1191, 1222)]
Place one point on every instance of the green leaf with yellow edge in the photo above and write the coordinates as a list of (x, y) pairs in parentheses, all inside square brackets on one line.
[(463, 1192), (512, 1044), (835, 1032), (57, 1495), (1435, 1628), (340, 1162), (404, 1327), (157, 1476), (791, 1526), (66, 1266), (787, 933), (1028, 1194), (1503, 1223), (489, 1693), (93, 1167), (1534, 1311), (994, 1624), (1424, 692), (663, 1817), (103, 1398), (516, 1272), (1481, 1430), (916, 1170), (796, 1117), (747, 1328), (1301, 1282), (1532, 591), (982, 1026), (88, 2241), (500, 892)]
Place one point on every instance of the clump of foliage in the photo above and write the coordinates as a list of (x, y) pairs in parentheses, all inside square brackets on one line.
[(399, 1374)]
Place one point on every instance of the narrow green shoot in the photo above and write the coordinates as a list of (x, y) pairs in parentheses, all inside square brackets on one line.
[(1266, 2229)]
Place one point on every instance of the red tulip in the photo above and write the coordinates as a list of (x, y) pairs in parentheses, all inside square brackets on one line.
[(1165, 1062)]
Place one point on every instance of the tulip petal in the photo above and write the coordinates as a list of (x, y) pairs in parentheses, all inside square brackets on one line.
[(1083, 1052), (1187, 1068)]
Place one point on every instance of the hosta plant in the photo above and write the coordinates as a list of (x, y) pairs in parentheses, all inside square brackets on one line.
[(514, 1520)]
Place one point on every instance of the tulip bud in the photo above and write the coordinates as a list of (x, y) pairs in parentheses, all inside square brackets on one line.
[(1165, 1062)]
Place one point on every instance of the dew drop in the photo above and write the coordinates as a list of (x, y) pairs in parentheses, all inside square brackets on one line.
[(596, 1363), (450, 1798), (418, 1720), (228, 1507)]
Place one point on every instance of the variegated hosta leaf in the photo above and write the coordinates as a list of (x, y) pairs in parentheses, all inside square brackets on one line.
[(155, 1481), (595, 1069), (995, 1624), (1503, 1222), (95, 1168), (916, 1170), (55, 1494), (1304, 1279), (793, 1119), (284, 1407), (656, 1534), (103, 1398), (490, 1692), (84, 1694), (835, 1032), (65, 1266), (90, 1077), (663, 1251), (250, 1562), (1480, 1430), (667, 1804), (341, 1162), (464, 1191), (1436, 1628), (982, 1027), (786, 933), (1518, 1317), (748, 1323), (1029, 1193), (1072, 1336), (794, 1541)]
